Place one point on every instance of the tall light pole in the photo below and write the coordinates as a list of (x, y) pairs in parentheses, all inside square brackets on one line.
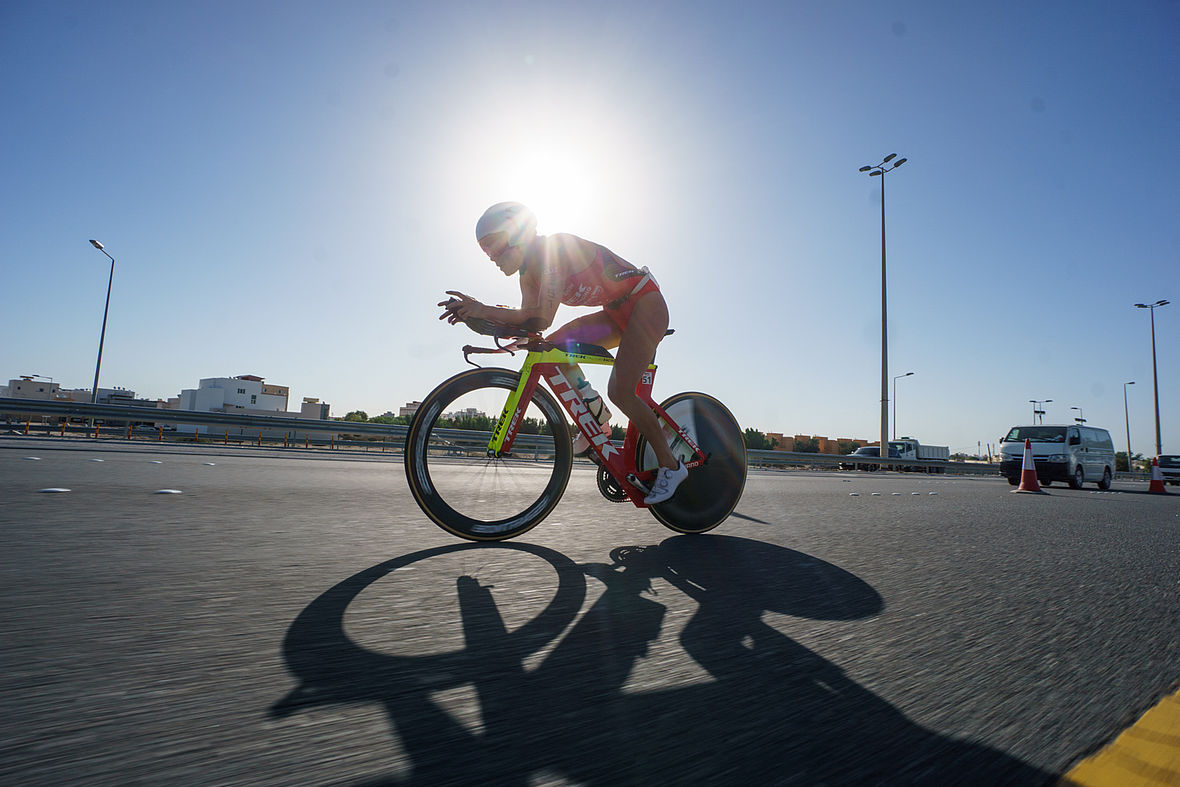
[(879, 170), (895, 379), (1036, 403), (102, 336), (1081, 419), (1127, 420), (1159, 448)]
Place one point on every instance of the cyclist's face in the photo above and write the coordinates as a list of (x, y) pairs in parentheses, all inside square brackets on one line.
[(507, 258)]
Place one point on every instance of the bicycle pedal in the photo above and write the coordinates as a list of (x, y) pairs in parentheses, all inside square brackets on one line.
[(634, 481)]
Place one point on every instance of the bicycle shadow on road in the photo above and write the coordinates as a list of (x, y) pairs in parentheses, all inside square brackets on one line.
[(773, 712)]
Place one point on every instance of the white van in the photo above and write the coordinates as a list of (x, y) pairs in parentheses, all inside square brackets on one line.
[(1076, 454)]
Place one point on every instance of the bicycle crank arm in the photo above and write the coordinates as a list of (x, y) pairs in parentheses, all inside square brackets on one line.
[(634, 481)]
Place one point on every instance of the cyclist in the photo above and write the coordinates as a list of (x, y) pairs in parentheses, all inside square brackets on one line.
[(564, 268)]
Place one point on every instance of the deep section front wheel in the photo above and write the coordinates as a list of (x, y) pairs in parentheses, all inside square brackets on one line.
[(461, 488), (711, 492)]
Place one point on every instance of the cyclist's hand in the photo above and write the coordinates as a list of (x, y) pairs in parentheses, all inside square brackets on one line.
[(459, 308)]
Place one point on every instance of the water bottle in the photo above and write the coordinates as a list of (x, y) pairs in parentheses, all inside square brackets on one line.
[(594, 404)]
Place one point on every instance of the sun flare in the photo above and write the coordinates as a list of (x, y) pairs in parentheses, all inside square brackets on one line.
[(561, 187), (576, 161)]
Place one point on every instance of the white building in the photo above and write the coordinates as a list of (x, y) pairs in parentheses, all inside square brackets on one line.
[(245, 394), (28, 388), (314, 408), (466, 412), (232, 394)]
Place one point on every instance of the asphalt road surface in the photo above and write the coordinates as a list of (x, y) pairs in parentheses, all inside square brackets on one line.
[(296, 620)]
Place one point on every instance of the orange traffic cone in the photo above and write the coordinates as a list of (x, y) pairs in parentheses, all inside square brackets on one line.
[(1028, 473), (1157, 478)]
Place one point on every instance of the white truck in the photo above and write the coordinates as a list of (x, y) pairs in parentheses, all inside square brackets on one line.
[(925, 458)]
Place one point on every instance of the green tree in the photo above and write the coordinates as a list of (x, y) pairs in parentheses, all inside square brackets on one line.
[(357, 415), (756, 441), (533, 426), (808, 446), (476, 423), (1120, 460), (848, 446)]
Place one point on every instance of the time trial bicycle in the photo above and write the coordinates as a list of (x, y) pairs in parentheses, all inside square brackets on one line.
[(493, 488)]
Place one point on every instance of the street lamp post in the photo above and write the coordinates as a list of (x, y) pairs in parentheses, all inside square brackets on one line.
[(895, 379), (1081, 419), (879, 170), (1037, 411), (1127, 422), (1159, 448), (102, 336)]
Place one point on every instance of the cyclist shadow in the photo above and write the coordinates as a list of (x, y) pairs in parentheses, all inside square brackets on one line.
[(771, 710)]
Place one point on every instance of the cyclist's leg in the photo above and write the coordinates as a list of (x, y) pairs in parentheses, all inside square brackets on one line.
[(645, 329), (596, 328)]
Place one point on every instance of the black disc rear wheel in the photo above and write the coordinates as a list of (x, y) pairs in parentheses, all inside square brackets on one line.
[(710, 493), (456, 483)]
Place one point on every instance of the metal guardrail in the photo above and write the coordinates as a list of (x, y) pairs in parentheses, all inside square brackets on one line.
[(122, 414), (21, 410), (800, 459), (462, 439)]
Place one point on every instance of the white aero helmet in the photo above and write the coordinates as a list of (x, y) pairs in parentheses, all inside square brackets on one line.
[(510, 217)]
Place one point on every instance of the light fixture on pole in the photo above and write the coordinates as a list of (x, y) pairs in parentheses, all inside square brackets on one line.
[(103, 335), (1159, 448), (1127, 420), (1081, 419), (1037, 411), (895, 379), (879, 170)]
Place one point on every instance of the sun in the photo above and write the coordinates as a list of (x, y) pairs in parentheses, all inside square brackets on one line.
[(574, 160), (561, 186)]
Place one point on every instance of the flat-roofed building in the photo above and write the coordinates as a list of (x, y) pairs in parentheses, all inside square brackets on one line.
[(246, 394)]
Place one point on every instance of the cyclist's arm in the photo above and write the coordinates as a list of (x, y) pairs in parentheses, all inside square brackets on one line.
[(540, 295)]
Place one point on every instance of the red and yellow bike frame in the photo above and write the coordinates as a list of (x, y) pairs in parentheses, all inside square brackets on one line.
[(545, 363)]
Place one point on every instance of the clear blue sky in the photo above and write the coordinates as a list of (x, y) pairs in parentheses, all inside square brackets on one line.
[(289, 187)]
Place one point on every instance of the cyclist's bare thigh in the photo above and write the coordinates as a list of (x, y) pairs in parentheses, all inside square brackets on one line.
[(596, 328)]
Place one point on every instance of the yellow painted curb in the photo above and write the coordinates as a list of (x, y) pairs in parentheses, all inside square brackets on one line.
[(1146, 754)]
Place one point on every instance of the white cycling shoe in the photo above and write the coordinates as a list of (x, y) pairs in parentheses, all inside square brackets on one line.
[(667, 480)]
